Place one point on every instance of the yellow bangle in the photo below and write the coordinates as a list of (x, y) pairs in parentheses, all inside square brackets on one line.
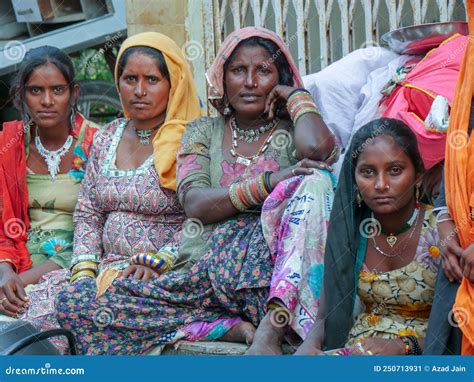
[(81, 274), (83, 265), (237, 203)]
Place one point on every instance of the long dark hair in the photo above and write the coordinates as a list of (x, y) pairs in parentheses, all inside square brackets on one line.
[(342, 258), (33, 59), (394, 128), (151, 52), (285, 73)]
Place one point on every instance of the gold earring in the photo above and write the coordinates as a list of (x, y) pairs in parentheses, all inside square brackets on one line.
[(417, 192), (358, 199)]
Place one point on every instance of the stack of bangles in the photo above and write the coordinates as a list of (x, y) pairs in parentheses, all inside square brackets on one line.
[(299, 103), (84, 269), (250, 192), (160, 262), (411, 345)]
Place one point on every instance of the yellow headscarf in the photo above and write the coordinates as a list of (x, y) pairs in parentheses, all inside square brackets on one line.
[(183, 102)]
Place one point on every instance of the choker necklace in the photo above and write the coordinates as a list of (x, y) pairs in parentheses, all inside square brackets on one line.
[(413, 229), (53, 157), (251, 135), (392, 236), (242, 159), (145, 135)]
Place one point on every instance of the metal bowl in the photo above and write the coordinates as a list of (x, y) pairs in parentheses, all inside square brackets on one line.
[(419, 39)]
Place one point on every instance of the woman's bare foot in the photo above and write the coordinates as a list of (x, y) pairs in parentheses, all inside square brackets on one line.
[(269, 336), (242, 332)]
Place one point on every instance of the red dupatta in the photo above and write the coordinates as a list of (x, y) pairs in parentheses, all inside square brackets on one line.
[(13, 197)]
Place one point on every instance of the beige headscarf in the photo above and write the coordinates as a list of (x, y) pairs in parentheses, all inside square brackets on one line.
[(183, 103)]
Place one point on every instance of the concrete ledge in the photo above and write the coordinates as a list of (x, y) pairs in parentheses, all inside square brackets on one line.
[(209, 348)]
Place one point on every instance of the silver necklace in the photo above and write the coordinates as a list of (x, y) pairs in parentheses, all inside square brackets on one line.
[(251, 135), (53, 157), (245, 160), (381, 252)]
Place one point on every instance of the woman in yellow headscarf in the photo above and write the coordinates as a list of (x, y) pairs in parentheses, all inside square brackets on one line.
[(128, 217), (127, 209)]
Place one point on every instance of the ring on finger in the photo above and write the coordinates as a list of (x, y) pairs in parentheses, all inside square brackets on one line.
[(369, 352), (293, 172)]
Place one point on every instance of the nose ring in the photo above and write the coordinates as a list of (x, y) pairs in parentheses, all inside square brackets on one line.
[(144, 94), (255, 85), (387, 187)]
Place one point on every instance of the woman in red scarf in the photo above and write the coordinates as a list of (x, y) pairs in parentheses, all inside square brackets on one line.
[(43, 160)]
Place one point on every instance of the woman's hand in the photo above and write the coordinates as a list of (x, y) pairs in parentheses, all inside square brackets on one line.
[(139, 272), (13, 299), (277, 97), (451, 251), (379, 346), (467, 262), (303, 167)]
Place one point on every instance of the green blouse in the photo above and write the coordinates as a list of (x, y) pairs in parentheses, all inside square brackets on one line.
[(204, 163)]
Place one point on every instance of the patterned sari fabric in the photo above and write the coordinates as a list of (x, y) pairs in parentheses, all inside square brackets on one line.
[(398, 303), (295, 218), (226, 277), (132, 316), (50, 236), (118, 213)]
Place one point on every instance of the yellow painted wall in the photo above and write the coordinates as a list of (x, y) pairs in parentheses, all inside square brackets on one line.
[(164, 16)]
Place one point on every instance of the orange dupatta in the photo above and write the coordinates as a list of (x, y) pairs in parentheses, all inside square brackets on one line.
[(459, 175)]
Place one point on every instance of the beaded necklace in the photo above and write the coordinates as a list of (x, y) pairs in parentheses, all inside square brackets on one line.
[(245, 160)]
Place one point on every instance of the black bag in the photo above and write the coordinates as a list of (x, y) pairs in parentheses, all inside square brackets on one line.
[(21, 338)]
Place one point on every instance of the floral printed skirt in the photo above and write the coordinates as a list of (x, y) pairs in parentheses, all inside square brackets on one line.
[(227, 284), (295, 218)]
